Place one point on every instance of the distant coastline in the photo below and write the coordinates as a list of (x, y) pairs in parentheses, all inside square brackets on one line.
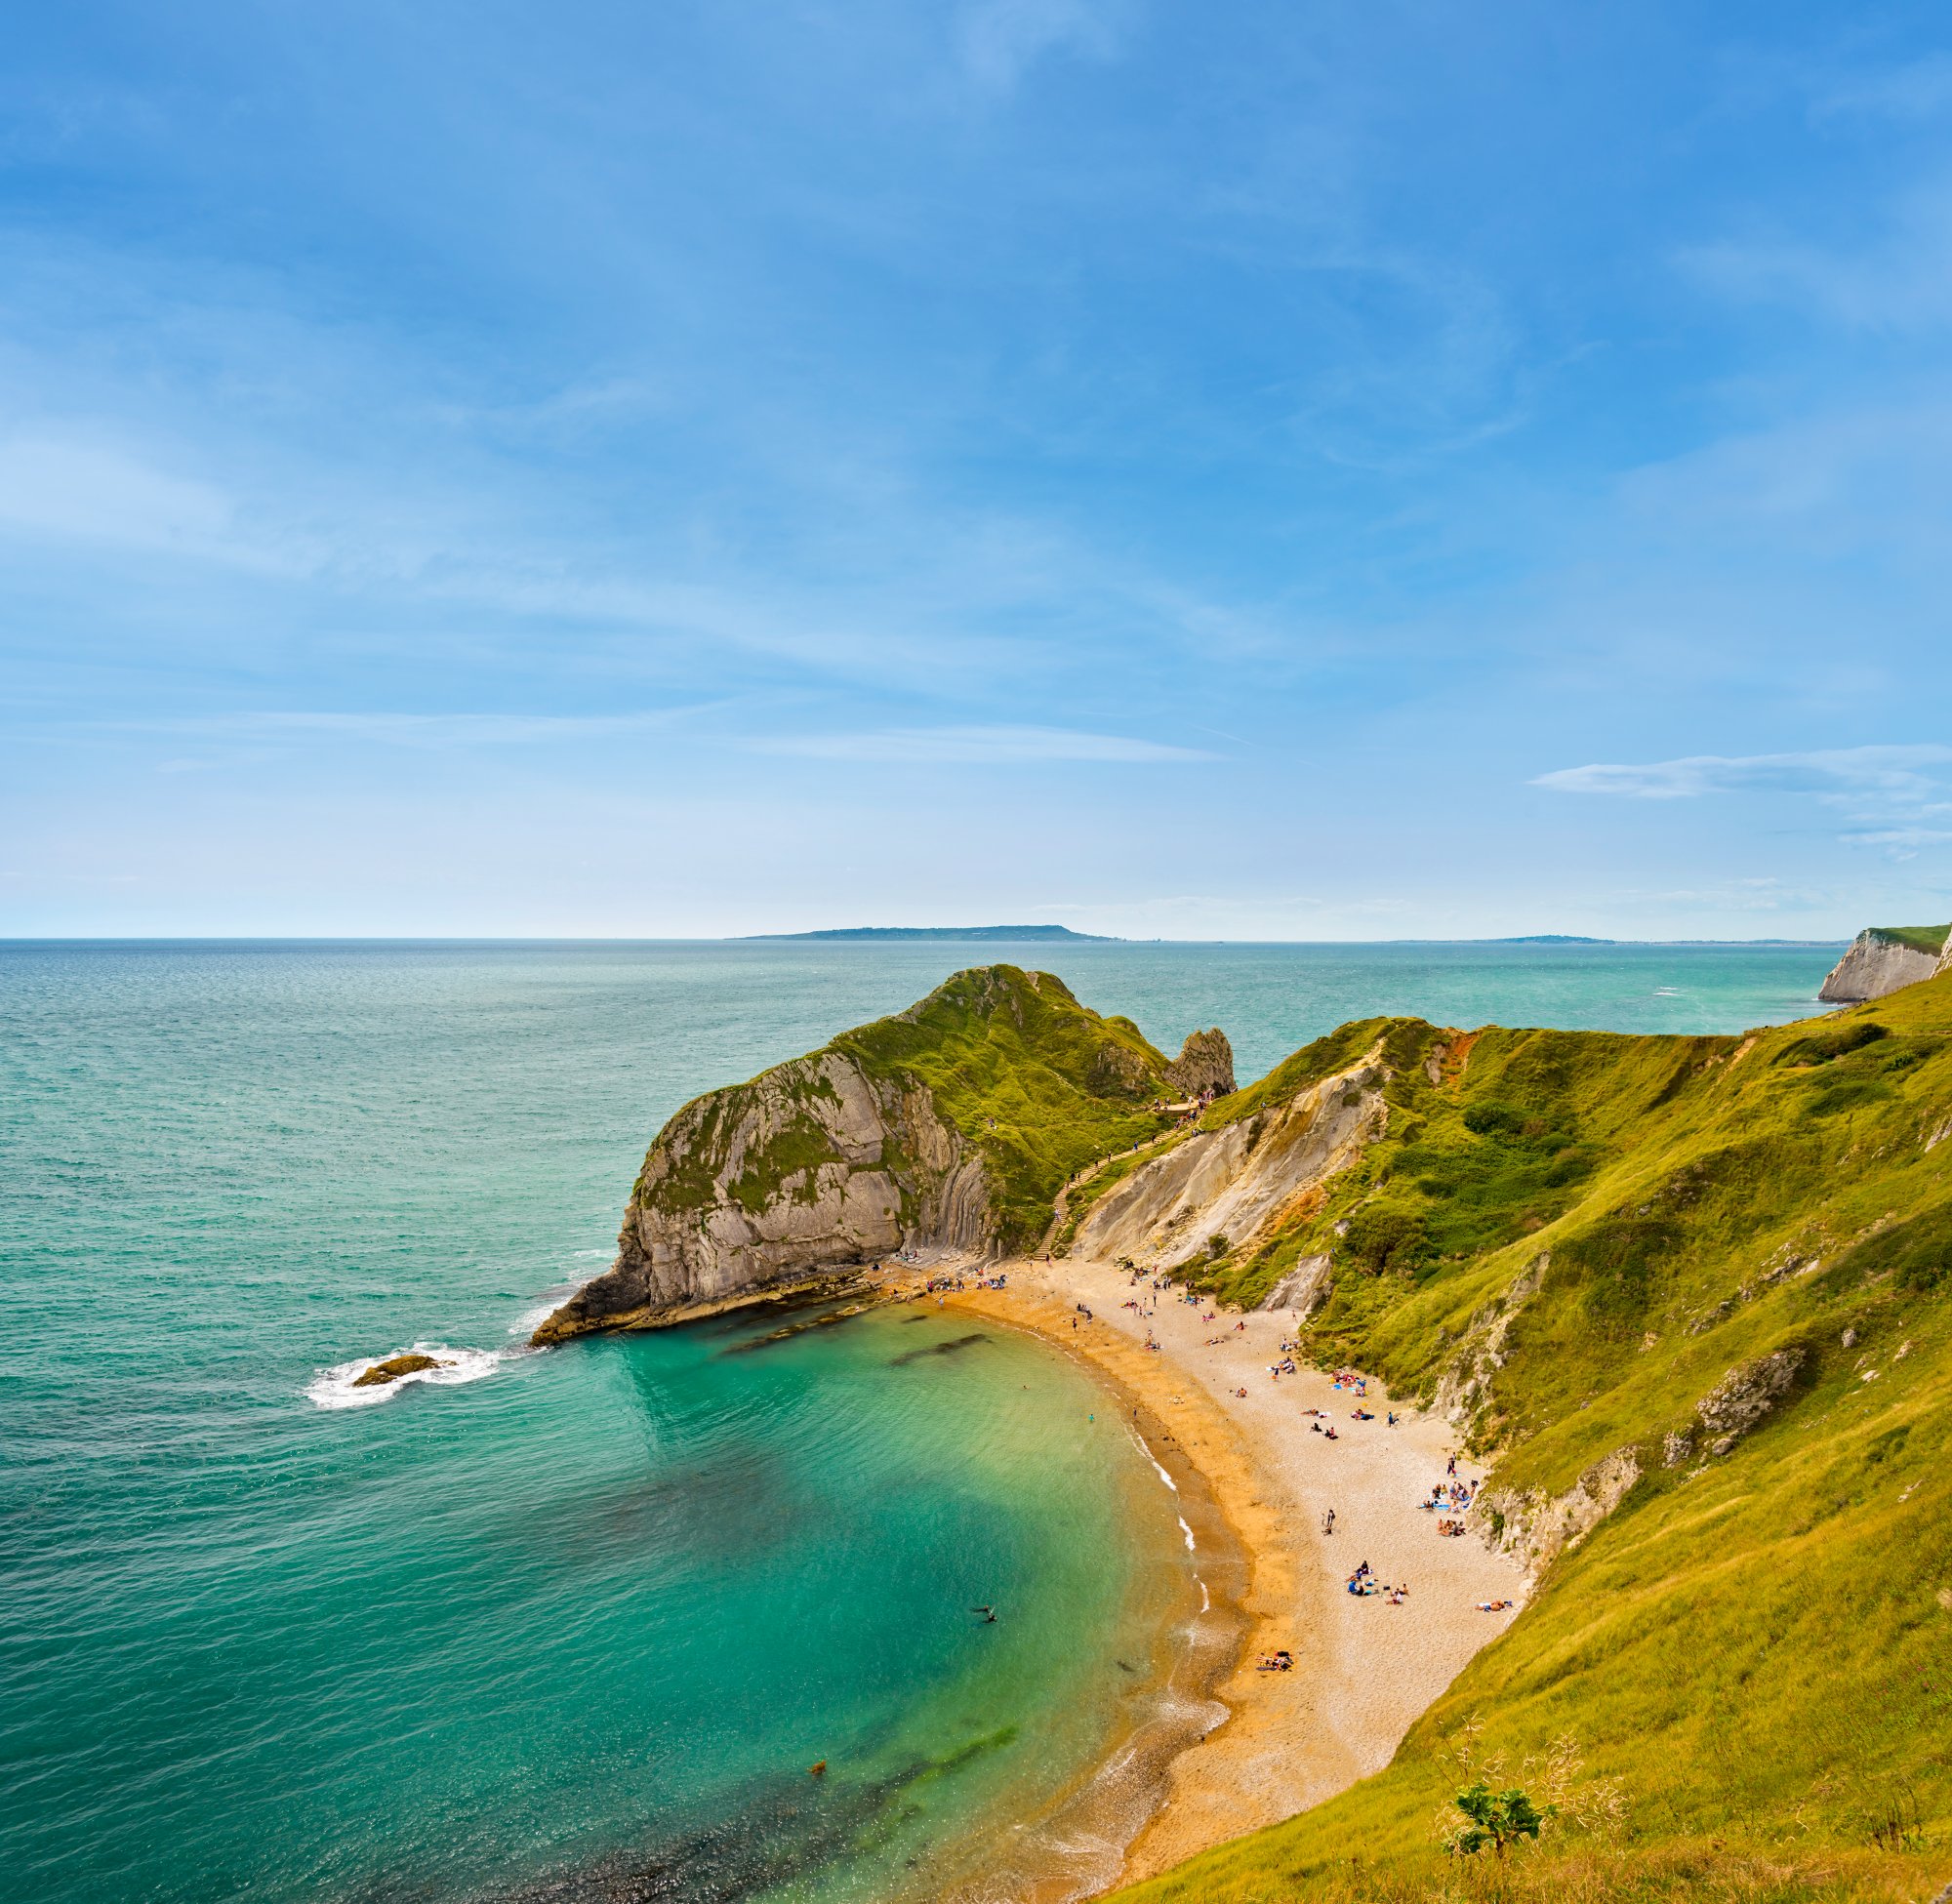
[(987, 933)]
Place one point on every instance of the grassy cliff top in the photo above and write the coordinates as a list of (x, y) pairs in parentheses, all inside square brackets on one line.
[(1751, 1657), (1039, 1084), (1920, 937)]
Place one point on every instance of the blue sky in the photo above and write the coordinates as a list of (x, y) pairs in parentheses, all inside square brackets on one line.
[(1284, 471)]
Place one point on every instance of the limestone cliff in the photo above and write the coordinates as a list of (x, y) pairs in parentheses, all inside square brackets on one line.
[(1883, 960), (1220, 1188), (1205, 1064), (947, 1127)]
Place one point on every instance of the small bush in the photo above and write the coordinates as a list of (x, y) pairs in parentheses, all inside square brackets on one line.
[(1390, 1236), (1495, 1818), (1619, 1256)]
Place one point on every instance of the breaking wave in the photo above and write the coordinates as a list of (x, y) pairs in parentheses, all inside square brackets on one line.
[(334, 1387)]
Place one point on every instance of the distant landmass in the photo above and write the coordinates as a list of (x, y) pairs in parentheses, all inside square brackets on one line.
[(1038, 932)]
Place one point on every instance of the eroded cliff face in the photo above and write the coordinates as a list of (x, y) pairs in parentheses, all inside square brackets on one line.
[(1239, 1179), (1878, 964), (812, 1168), (946, 1128), (1205, 1064)]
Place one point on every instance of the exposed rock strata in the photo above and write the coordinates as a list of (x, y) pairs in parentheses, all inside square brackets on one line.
[(1305, 1287), (1466, 1385), (945, 1130), (1205, 1064), (1877, 965), (1538, 1527), (1744, 1396), (814, 1166), (1237, 1181)]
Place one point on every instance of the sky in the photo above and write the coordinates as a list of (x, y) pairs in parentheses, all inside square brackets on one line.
[(1308, 470)]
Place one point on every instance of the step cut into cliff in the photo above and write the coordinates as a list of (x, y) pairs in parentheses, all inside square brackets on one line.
[(1885, 958), (1693, 1298), (950, 1127)]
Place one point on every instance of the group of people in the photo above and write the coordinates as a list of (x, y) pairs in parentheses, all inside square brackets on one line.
[(1363, 1583), (1279, 1661)]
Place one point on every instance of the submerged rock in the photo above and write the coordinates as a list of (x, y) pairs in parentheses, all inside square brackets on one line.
[(392, 1369)]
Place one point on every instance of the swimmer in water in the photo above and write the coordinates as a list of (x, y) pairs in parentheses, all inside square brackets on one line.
[(989, 1615)]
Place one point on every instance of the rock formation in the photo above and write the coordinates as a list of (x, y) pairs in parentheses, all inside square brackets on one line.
[(1744, 1396), (811, 1167), (1883, 960), (380, 1373), (1205, 1064), (947, 1128)]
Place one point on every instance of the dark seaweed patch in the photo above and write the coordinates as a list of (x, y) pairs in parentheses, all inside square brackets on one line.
[(793, 1825), (806, 1326), (936, 1349)]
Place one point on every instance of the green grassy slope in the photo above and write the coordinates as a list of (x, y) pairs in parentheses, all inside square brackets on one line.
[(1751, 1657), (1039, 1085)]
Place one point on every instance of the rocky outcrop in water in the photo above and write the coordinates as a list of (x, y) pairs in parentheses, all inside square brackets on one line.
[(380, 1373), (1881, 962)]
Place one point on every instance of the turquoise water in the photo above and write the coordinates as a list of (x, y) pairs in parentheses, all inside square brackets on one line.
[(574, 1624)]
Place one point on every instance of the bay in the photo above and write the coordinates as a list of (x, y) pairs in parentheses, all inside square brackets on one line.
[(580, 1619)]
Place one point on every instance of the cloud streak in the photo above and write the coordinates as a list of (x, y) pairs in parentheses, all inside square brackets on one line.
[(1895, 771), (979, 747)]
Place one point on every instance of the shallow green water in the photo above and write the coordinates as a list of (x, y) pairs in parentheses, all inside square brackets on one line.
[(576, 1624)]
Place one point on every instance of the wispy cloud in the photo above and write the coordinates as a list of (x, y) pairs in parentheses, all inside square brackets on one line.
[(983, 746), (1001, 39), (1896, 279), (416, 730), (1918, 90), (1892, 771), (1893, 795), (59, 483)]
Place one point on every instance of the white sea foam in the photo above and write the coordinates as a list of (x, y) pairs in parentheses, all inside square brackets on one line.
[(332, 1388), (1154, 1459), (1206, 1598), (532, 1319), (1186, 1531)]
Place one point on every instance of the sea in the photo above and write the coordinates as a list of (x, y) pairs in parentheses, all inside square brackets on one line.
[(688, 1615)]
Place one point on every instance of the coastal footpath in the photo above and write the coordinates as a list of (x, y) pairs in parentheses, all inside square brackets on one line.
[(1685, 1299)]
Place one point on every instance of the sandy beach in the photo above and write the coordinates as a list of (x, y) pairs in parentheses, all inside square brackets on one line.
[(1365, 1669)]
